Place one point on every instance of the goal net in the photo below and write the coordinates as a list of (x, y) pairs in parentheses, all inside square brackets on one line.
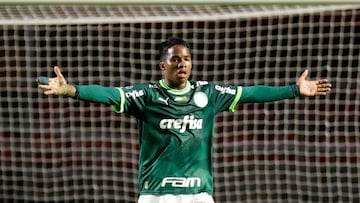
[(55, 149)]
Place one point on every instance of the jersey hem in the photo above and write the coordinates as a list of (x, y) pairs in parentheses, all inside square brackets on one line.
[(174, 193)]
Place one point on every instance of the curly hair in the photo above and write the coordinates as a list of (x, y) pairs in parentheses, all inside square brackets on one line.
[(170, 42)]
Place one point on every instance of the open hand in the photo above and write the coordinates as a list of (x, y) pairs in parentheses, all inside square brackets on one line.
[(310, 88), (58, 85)]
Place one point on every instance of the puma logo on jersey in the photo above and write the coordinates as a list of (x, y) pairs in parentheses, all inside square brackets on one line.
[(188, 122), (164, 100)]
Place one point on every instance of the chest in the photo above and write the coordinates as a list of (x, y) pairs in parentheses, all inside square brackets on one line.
[(196, 103)]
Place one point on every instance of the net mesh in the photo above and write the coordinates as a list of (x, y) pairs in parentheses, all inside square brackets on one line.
[(58, 149)]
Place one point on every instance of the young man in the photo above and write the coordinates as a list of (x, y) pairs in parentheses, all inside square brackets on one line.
[(176, 118)]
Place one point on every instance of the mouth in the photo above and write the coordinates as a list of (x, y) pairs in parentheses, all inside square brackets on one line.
[(182, 74)]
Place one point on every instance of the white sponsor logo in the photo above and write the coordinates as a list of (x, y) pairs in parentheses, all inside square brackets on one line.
[(153, 86), (225, 90), (188, 121), (200, 83), (135, 93), (181, 182)]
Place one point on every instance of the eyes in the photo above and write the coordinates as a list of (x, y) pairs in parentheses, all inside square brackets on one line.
[(177, 59)]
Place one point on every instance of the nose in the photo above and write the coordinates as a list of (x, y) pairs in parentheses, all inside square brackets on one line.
[(181, 63)]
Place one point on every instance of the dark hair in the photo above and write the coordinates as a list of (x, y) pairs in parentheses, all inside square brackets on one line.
[(170, 42)]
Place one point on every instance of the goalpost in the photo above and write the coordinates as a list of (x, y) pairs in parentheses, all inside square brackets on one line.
[(303, 150)]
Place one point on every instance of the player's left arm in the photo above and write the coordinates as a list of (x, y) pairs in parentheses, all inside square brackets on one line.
[(303, 87)]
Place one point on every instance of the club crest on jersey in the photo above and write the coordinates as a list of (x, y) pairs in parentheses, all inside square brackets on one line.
[(200, 99)]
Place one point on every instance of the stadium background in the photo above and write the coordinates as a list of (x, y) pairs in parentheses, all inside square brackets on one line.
[(58, 149)]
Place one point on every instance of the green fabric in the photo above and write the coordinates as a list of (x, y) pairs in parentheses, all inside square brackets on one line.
[(176, 128), (236, 100), (175, 91), (260, 94), (176, 131), (98, 94), (119, 108), (250, 94)]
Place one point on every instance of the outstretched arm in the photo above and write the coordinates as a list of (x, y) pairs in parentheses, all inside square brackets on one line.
[(91, 93), (303, 87), (310, 88), (58, 85)]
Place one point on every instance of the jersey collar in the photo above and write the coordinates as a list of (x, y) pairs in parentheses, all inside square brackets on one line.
[(175, 91)]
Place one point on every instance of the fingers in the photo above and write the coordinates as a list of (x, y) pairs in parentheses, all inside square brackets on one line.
[(323, 84), (322, 81), (304, 75), (53, 83), (49, 92), (44, 86), (47, 89), (321, 93), (323, 87), (58, 72)]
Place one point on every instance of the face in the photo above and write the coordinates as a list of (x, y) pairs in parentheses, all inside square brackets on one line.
[(176, 66)]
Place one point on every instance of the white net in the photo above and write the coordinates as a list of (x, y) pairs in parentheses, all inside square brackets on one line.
[(57, 149)]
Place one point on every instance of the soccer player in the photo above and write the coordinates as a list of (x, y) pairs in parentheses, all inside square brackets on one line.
[(176, 118)]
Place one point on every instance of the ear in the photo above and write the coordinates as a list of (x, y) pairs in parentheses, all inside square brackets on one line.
[(162, 65)]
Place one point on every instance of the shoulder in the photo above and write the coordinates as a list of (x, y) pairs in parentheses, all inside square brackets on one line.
[(142, 86), (201, 83), (140, 90), (215, 87), (209, 85)]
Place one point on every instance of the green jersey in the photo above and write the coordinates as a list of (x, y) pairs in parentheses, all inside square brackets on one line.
[(176, 129)]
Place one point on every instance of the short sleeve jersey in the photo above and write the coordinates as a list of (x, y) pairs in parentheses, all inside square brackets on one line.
[(176, 130)]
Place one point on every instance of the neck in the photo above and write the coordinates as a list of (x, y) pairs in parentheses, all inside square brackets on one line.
[(175, 91), (175, 86)]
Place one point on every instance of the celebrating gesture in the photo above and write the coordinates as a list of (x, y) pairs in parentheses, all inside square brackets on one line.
[(307, 88), (176, 120)]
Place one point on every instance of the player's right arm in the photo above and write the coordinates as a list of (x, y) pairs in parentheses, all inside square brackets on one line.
[(91, 93)]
